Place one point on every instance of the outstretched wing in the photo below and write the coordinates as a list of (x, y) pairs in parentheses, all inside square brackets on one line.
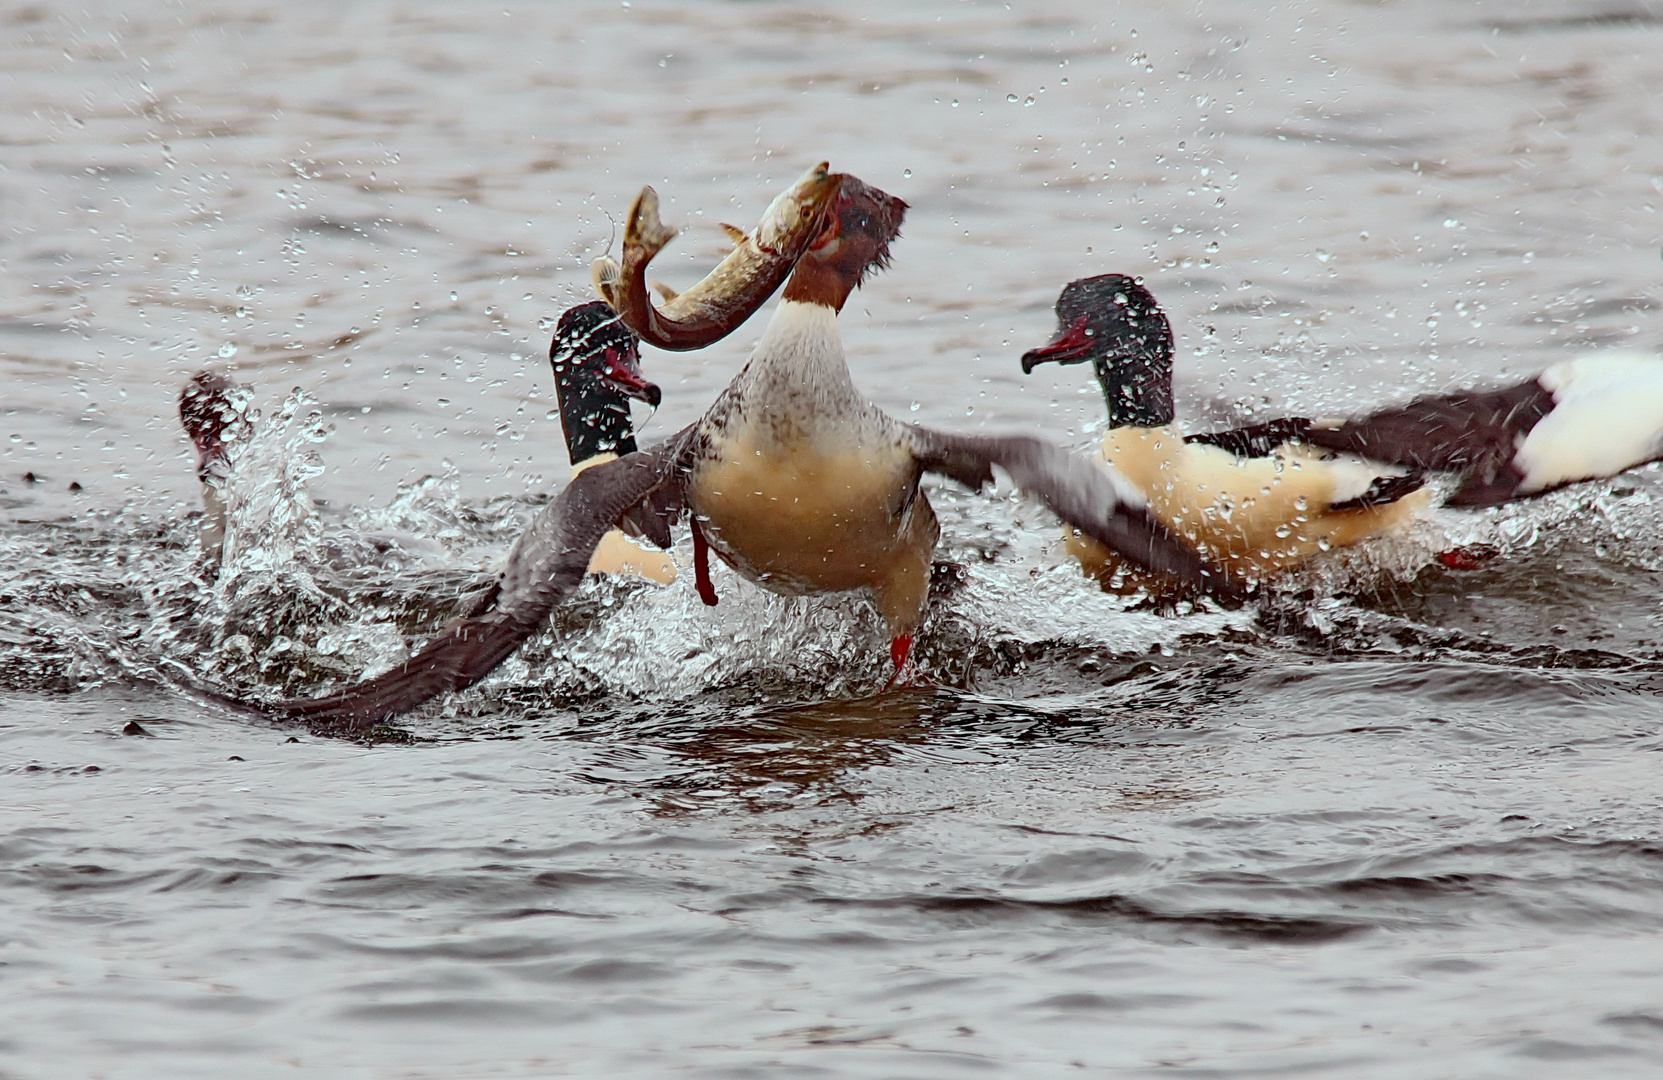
[(1088, 495), (546, 564), (1475, 434)]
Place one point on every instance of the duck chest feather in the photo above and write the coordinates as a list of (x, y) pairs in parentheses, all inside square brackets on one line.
[(808, 515)]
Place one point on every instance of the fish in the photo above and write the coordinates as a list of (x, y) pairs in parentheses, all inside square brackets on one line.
[(740, 284)]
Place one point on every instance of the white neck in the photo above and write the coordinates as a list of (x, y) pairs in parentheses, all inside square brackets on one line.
[(802, 346)]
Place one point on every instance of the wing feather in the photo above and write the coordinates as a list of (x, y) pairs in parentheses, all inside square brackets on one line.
[(545, 565), (1088, 495)]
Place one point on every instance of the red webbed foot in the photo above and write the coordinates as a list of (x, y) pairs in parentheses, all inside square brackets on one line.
[(1468, 556), (900, 651)]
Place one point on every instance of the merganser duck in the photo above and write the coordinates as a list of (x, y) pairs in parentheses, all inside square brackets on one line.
[(596, 362), (1252, 505), (212, 412), (1586, 418), (796, 481)]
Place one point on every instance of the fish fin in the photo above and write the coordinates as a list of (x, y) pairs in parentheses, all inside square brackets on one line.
[(605, 273), (735, 233), (643, 228), (665, 291)]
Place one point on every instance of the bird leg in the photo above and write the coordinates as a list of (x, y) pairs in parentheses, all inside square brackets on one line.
[(701, 565)]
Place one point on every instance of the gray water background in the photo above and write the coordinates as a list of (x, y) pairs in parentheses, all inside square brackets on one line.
[(1392, 822)]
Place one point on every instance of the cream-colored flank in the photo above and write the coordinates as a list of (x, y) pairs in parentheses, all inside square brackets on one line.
[(1253, 516)]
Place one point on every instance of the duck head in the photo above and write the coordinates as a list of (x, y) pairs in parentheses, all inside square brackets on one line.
[(212, 410), (854, 243), (597, 369), (1114, 322)]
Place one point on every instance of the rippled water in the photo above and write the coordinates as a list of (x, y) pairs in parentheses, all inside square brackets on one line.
[(1393, 821)]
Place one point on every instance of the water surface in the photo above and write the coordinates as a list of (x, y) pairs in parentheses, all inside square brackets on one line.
[(1392, 821)]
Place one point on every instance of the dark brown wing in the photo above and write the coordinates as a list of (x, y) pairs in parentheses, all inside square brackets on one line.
[(546, 564), (1474, 433), (1088, 495)]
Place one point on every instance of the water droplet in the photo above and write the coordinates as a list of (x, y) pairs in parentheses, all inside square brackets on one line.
[(907, 173), (1323, 256), (915, 406), (453, 297), (955, 103), (1011, 98), (227, 351)]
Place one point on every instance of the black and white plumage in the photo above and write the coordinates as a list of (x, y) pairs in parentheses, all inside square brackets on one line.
[(793, 478), (1586, 418)]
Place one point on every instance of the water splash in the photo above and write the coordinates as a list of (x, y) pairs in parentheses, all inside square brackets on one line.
[(300, 606)]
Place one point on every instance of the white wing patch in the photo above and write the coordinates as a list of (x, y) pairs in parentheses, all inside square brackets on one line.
[(1607, 416)]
